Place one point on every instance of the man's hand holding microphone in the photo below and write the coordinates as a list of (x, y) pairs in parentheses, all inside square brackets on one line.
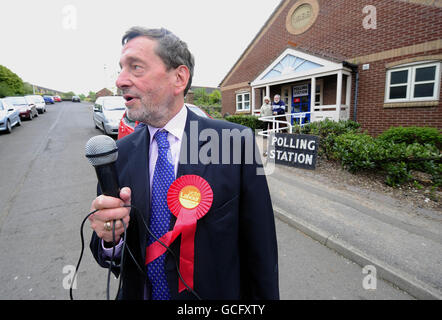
[(110, 210), (113, 204)]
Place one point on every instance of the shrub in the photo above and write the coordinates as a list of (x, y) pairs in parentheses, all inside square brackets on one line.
[(356, 151), (216, 114), (397, 173), (248, 121), (215, 97), (359, 152), (328, 131), (326, 127), (213, 111), (410, 135)]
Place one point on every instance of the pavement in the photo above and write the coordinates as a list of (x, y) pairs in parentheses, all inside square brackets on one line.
[(403, 243)]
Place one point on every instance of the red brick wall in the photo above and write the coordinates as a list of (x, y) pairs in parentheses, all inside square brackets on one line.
[(371, 112), (338, 32)]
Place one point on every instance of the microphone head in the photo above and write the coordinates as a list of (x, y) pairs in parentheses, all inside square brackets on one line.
[(101, 150)]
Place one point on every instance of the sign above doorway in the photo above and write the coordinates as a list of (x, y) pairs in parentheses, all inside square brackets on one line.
[(300, 91)]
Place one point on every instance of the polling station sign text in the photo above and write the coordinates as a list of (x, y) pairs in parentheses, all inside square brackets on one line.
[(295, 150)]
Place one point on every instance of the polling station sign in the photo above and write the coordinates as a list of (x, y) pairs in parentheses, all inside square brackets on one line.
[(295, 150)]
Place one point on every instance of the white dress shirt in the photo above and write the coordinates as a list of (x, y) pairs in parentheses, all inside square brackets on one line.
[(175, 127)]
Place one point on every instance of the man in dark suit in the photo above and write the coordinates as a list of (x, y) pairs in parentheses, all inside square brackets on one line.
[(235, 242)]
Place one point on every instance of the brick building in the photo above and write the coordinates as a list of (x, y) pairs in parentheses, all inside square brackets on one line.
[(377, 62), (103, 93)]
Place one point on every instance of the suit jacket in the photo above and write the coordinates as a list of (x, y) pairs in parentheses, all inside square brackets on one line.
[(235, 242)]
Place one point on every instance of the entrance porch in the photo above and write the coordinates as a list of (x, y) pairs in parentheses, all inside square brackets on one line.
[(293, 75)]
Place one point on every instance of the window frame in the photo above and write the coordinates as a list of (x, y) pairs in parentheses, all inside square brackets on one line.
[(411, 82), (237, 103), (319, 83)]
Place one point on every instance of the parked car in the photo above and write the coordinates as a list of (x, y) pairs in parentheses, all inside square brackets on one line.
[(127, 125), (48, 99), (9, 116), (198, 110), (76, 99), (57, 98), (39, 102), (25, 106), (108, 112)]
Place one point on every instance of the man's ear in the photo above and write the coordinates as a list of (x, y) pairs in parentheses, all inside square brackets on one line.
[(182, 76)]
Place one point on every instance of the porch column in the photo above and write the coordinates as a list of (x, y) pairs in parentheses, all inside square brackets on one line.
[(312, 98), (338, 94), (253, 101), (348, 96), (268, 92)]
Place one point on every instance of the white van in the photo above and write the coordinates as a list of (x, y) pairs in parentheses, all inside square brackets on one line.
[(39, 102)]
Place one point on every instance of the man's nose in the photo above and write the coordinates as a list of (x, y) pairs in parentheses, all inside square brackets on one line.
[(123, 80)]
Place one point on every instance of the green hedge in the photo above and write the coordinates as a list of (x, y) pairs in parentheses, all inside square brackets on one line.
[(328, 131), (409, 135), (358, 152), (395, 152), (248, 121)]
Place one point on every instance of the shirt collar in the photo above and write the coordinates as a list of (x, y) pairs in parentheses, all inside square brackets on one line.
[(175, 126)]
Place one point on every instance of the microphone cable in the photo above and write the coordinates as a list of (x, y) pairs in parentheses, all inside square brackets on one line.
[(168, 250), (111, 261), (122, 255)]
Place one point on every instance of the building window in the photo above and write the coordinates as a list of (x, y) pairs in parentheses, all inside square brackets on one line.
[(413, 83), (243, 101), (319, 92)]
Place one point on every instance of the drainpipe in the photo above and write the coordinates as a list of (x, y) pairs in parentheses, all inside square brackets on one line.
[(354, 68)]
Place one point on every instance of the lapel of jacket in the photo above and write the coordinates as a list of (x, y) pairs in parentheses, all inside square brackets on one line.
[(139, 173), (190, 147)]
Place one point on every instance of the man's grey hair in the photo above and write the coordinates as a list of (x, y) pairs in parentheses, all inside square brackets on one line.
[(172, 51)]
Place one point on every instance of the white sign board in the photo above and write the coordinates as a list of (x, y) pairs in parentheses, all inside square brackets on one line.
[(300, 91)]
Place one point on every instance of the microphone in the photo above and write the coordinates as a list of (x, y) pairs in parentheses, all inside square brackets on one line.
[(102, 152)]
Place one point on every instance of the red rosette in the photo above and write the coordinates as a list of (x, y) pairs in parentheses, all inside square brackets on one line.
[(206, 198), (189, 198)]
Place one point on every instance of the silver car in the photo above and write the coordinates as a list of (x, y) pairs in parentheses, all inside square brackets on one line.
[(9, 116), (39, 102), (108, 112)]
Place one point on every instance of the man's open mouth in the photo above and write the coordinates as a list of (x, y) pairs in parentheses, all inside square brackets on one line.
[(128, 97)]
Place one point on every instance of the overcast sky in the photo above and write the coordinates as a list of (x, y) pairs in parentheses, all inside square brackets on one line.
[(75, 45)]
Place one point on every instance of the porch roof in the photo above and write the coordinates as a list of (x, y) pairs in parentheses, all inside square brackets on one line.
[(294, 65)]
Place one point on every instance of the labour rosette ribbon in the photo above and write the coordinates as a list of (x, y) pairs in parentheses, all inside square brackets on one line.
[(189, 198)]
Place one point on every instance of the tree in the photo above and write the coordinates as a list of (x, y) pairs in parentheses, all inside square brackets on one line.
[(201, 97), (91, 96), (68, 95), (10, 83), (215, 98), (27, 88)]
